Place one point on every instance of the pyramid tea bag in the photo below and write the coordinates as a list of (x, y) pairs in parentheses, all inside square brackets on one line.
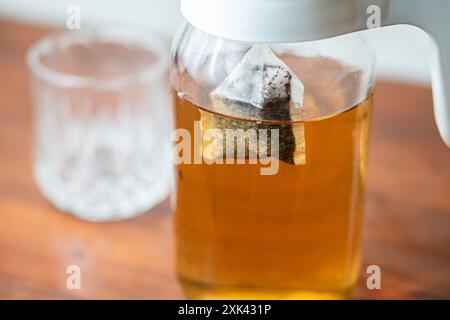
[(261, 88), (260, 79)]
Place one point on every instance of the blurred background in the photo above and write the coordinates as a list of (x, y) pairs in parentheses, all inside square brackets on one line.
[(407, 219), (403, 51)]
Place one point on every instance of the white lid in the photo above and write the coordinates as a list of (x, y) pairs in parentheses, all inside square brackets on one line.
[(272, 20)]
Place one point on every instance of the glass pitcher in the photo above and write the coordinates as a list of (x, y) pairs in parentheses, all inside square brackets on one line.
[(270, 151)]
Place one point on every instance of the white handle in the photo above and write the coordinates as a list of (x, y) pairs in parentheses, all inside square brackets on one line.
[(434, 18)]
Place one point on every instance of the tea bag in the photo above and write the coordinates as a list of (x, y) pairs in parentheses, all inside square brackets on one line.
[(260, 79), (261, 87)]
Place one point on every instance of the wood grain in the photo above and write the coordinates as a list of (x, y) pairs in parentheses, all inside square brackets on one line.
[(407, 225)]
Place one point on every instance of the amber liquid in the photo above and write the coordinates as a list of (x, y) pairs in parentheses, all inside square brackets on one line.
[(295, 234)]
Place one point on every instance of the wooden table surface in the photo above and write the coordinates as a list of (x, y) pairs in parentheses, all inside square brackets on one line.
[(406, 232)]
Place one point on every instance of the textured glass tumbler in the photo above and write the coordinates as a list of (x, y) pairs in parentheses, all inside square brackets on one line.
[(101, 122)]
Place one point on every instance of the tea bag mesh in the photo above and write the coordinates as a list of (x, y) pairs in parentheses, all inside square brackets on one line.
[(261, 87)]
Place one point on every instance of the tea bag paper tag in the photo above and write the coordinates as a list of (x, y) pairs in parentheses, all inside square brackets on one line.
[(261, 78)]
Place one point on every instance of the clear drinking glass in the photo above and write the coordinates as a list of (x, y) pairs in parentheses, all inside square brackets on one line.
[(101, 121)]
